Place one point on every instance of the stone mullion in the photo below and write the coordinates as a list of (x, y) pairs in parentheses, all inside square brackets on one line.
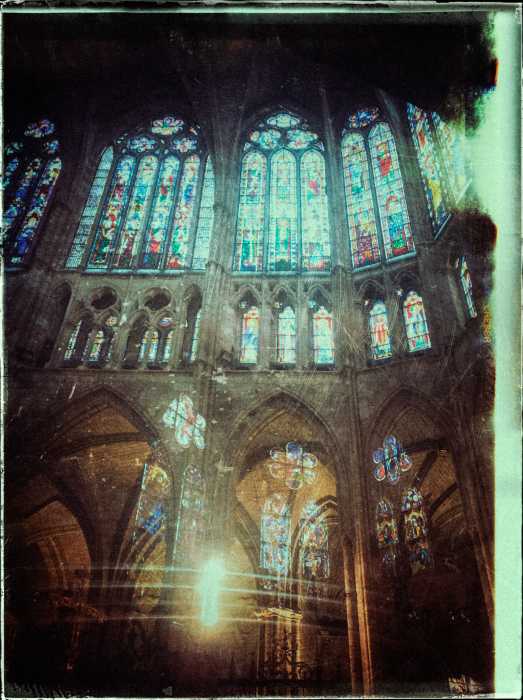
[(266, 350), (365, 594), (335, 187), (304, 329)]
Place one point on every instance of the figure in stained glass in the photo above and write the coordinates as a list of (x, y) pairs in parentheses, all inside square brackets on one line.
[(386, 530), (286, 336), (388, 182), (415, 323), (95, 352), (416, 530), (189, 426), (379, 332), (322, 337), (152, 504), (250, 336), (275, 535), (296, 220), (314, 544)]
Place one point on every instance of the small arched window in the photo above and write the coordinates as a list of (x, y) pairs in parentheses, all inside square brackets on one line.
[(275, 535), (190, 527), (285, 334), (99, 351), (416, 328), (380, 344), (249, 333), (156, 344), (314, 544), (135, 348), (157, 210), (77, 341), (372, 173), (416, 530), (466, 286), (283, 220), (322, 333), (31, 172), (191, 338)]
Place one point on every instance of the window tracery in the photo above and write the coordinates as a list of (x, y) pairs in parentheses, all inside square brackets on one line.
[(31, 172), (283, 223), (157, 213)]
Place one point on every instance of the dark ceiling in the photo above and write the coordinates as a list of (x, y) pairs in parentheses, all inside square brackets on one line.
[(54, 61)]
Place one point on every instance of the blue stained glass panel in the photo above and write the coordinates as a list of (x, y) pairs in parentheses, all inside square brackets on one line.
[(275, 535), (26, 235), (89, 212), (184, 215), (140, 144), (205, 220), (112, 215), (9, 171), (358, 201), (39, 129), (14, 147), (132, 229), (71, 341), (184, 144), (282, 254), (249, 252), (163, 203), (19, 201), (316, 250), (395, 224), (190, 528), (362, 118)]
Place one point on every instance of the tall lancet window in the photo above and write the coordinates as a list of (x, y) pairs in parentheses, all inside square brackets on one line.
[(275, 535), (430, 169), (380, 344), (190, 527), (32, 168), (285, 334), (249, 332), (150, 206), (418, 337), (314, 544), (283, 220), (322, 332), (377, 216), (416, 530)]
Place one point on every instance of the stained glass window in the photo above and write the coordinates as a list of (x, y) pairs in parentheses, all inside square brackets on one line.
[(379, 331), (153, 501), (168, 346), (286, 337), (453, 149), (250, 336), (146, 339), (359, 204), (388, 182), (71, 342), (466, 284), (152, 349), (322, 337), (416, 530), (275, 535), (205, 220), (315, 243), (29, 181), (91, 207), (363, 118), (283, 220), (314, 543), (190, 528), (157, 212), (195, 336), (95, 353), (429, 166), (189, 426), (415, 323)]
